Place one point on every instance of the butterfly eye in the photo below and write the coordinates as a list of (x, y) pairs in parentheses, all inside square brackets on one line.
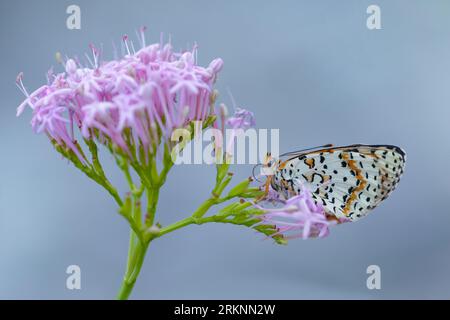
[(273, 164)]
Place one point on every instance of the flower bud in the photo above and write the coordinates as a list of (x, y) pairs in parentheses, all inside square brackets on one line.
[(240, 188)]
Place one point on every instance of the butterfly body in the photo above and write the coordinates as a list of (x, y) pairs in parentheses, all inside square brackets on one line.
[(347, 181)]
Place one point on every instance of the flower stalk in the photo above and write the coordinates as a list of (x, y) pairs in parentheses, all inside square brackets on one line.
[(132, 106)]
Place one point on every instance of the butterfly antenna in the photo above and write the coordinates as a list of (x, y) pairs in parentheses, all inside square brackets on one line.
[(308, 149), (253, 171)]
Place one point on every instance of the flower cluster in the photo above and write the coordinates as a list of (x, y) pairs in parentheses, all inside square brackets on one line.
[(140, 98), (133, 105), (299, 217)]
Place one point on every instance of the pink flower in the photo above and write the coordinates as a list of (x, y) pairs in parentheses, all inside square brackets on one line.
[(300, 217), (238, 123), (150, 92), (272, 195), (242, 119)]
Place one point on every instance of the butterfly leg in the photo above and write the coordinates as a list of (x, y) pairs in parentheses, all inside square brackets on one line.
[(266, 189)]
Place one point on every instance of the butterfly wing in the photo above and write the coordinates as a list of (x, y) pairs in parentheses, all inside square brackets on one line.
[(349, 181)]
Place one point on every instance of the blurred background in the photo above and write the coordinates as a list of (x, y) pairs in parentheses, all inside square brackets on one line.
[(310, 68)]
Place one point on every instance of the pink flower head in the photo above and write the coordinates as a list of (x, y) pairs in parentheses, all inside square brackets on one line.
[(242, 119), (239, 122), (143, 96), (300, 217)]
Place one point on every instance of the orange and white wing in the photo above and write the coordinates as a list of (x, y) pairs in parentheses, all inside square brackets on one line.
[(348, 181)]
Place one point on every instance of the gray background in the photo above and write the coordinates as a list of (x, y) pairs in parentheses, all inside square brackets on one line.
[(311, 68)]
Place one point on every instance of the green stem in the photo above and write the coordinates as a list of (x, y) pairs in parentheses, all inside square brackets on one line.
[(111, 190), (131, 251), (222, 218), (134, 225), (151, 183), (138, 242), (136, 256), (177, 225), (201, 211), (152, 202), (158, 181)]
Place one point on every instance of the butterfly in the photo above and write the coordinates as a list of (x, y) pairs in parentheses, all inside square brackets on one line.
[(348, 181)]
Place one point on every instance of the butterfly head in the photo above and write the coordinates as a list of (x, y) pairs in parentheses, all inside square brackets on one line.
[(268, 168)]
